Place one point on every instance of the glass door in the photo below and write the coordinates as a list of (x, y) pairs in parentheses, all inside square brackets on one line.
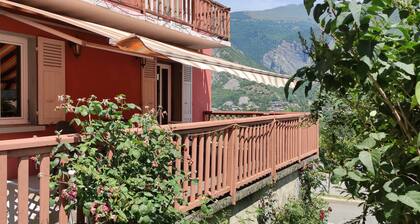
[(163, 87)]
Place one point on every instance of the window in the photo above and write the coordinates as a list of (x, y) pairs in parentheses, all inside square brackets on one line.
[(13, 75)]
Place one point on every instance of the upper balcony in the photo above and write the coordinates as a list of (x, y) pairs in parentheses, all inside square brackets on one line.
[(202, 15), (193, 24)]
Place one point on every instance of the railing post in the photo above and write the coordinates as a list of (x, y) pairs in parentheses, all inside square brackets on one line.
[(23, 189), (272, 144), (233, 146), (300, 138), (44, 189), (3, 187)]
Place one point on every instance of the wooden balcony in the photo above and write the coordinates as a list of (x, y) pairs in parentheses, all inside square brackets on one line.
[(201, 15), (223, 155)]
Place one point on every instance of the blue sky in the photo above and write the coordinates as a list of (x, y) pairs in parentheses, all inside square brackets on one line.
[(243, 5)]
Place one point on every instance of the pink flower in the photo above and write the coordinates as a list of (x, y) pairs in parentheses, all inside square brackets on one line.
[(100, 190), (93, 208), (114, 217), (154, 164), (322, 215), (105, 208)]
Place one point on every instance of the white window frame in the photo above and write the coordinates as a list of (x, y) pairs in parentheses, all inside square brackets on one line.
[(23, 43)]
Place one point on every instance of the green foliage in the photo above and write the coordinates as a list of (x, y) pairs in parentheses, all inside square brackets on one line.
[(297, 211), (308, 208), (119, 172), (367, 65)]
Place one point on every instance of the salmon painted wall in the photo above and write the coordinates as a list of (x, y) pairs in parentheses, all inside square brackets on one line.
[(97, 72), (201, 93)]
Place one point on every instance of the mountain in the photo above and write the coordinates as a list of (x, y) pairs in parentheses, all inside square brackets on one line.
[(263, 34), (266, 40)]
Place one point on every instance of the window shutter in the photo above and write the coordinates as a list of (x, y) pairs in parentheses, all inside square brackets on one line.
[(149, 84), (51, 79), (186, 93)]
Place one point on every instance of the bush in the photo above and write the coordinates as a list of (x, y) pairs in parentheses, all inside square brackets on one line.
[(298, 211), (121, 171), (307, 209)]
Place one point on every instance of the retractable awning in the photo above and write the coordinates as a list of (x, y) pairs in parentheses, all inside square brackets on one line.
[(145, 46)]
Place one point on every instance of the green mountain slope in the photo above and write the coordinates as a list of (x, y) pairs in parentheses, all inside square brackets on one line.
[(266, 40), (259, 34)]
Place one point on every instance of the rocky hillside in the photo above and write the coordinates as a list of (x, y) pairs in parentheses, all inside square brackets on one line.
[(271, 37), (286, 58), (266, 40)]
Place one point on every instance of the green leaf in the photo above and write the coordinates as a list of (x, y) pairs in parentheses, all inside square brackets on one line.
[(373, 113), (90, 130), (365, 59), (355, 9), (367, 144), (341, 18), (418, 93), (355, 177), (308, 5), (340, 171), (297, 85), (394, 185), (318, 11), (414, 162), (392, 197), (409, 68), (412, 199), (366, 160), (377, 136), (131, 105)]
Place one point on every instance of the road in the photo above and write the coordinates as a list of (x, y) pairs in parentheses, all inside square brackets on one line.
[(345, 210)]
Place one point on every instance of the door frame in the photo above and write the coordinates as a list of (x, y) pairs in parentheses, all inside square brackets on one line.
[(169, 68)]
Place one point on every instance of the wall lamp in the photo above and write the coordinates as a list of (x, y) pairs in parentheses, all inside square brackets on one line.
[(76, 49), (143, 62)]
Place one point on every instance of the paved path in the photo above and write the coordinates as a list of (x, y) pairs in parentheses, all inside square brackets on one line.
[(345, 210)]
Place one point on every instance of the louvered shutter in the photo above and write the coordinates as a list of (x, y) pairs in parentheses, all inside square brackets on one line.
[(51, 79), (149, 84), (186, 93)]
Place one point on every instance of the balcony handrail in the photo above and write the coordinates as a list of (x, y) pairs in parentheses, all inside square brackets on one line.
[(227, 155), (244, 120), (202, 15), (222, 115), (46, 141)]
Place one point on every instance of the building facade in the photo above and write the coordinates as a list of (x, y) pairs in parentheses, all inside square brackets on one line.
[(157, 53)]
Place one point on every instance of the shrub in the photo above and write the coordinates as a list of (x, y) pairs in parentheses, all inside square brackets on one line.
[(121, 171), (307, 209)]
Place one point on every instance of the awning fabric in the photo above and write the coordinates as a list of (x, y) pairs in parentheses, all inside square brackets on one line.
[(145, 46)]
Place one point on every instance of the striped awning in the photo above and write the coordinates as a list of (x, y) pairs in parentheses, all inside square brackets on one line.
[(145, 46)]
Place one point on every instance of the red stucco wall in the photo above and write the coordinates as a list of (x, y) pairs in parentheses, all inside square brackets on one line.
[(103, 74), (201, 94), (97, 72)]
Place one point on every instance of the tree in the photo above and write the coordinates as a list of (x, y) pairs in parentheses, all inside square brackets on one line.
[(366, 62)]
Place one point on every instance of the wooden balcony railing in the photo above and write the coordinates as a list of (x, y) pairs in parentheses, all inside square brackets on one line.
[(222, 157), (202, 15), (223, 115)]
